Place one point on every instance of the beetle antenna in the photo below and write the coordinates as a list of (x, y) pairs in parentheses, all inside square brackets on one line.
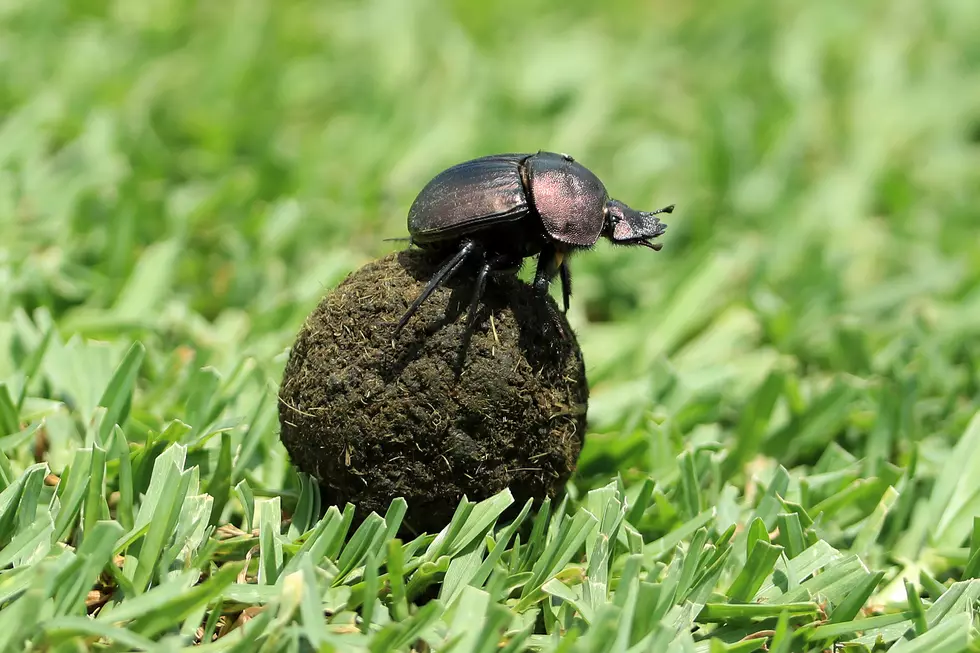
[(666, 209)]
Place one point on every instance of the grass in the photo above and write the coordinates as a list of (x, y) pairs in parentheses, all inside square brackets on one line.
[(784, 430)]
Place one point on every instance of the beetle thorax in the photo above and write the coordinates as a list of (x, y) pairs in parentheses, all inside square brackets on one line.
[(568, 197)]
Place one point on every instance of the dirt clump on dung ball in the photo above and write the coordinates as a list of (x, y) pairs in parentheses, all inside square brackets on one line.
[(373, 419)]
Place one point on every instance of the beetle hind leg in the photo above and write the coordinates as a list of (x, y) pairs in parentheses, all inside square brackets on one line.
[(440, 277)]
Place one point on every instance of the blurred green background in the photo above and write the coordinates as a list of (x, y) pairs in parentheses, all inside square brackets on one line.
[(197, 175), (790, 386)]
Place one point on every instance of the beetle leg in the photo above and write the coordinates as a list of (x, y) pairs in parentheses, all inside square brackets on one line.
[(547, 264), (439, 278), (548, 261), (481, 286), (566, 283)]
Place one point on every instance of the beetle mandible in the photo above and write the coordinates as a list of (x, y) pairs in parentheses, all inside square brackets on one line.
[(504, 208)]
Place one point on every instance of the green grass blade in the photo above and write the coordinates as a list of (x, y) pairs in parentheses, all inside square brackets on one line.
[(118, 395), (269, 516), (9, 422), (219, 484), (65, 629), (92, 557), (753, 575)]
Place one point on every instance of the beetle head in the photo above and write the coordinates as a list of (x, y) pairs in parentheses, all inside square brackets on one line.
[(627, 226)]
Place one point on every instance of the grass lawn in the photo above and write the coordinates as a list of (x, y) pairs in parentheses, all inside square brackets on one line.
[(784, 437)]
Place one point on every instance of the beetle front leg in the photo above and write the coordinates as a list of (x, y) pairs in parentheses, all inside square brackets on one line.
[(549, 263), (566, 283)]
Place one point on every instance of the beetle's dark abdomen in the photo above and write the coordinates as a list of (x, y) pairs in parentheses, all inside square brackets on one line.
[(468, 197), (569, 198)]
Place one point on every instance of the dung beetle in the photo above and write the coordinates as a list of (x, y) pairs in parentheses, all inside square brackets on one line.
[(504, 208)]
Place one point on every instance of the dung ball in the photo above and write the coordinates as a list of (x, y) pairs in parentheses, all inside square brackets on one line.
[(373, 417)]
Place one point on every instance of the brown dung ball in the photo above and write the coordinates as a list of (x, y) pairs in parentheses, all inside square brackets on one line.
[(373, 419)]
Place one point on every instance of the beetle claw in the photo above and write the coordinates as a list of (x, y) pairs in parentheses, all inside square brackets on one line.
[(553, 319)]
